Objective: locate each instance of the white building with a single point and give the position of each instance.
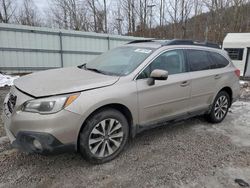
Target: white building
(238, 47)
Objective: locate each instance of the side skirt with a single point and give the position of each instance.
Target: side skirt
(167, 121)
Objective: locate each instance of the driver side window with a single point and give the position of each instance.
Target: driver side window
(172, 61)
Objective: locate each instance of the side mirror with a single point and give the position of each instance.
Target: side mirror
(157, 74)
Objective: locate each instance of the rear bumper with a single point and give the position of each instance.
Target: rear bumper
(45, 143)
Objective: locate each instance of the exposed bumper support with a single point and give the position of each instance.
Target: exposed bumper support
(47, 143)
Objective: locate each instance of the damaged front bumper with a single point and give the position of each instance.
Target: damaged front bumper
(42, 143)
(34, 141)
(37, 133)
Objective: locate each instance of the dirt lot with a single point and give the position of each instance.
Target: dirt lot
(192, 153)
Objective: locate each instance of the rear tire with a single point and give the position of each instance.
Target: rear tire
(104, 136)
(220, 107)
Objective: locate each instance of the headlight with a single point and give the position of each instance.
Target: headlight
(49, 105)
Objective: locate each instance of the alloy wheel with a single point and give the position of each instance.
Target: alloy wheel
(105, 138)
(221, 107)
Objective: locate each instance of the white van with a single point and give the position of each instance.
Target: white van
(238, 47)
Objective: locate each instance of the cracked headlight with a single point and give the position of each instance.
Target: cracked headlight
(49, 105)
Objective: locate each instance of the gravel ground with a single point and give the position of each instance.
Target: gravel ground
(192, 153)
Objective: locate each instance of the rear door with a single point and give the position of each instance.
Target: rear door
(202, 79)
(224, 75)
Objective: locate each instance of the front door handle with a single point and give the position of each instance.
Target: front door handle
(217, 76)
(184, 84)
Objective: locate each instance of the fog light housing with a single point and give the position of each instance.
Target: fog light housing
(37, 144)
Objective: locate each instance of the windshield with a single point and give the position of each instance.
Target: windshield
(119, 61)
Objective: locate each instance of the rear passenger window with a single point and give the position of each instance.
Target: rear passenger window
(218, 60)
(198, 60)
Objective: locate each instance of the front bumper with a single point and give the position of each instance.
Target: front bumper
(55, 132)
(47, 143)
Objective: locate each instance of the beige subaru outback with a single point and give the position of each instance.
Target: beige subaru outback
(96, 107)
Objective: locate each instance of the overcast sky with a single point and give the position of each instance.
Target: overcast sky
(41, 4)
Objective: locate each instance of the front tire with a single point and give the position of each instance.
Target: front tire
(104, 136)
(220, 107)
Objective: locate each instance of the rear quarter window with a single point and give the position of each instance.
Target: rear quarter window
(198, 60)
(218, 61)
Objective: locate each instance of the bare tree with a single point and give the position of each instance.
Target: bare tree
(92, 7)
(141, 13)
(198, 10)
(216, 20)
(7, 10)
(179, 12)
(185, 10)
(28, 14)
(238, 15)
(127, 6)
(99, 12)
(173, 18)
(70, 14)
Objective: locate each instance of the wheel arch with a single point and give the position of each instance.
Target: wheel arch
(229, 92)
(117, 106)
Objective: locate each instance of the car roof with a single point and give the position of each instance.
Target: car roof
(177, 43)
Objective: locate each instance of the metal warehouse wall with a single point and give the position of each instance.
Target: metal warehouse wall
(27, 49)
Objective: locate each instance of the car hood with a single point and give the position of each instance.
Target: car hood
(62, 81)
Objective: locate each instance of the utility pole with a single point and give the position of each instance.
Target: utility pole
(206, 34)
(161, 12)
(206, 30)
(151, 16)
(105, 14)
(119, 19)
(119, 25)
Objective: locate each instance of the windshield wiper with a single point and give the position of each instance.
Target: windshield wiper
(83, 66)
(94, 70)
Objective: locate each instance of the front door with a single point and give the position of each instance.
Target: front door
(165, 99)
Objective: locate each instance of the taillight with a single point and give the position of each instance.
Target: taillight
(237, 72)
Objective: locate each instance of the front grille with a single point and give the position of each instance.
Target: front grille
(11, 102)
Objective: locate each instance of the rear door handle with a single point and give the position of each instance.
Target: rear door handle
(184, 84)
(217, 76)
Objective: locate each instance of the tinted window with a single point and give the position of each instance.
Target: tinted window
(235, 53)
(198, 60)
(218, 60)
(171, 61)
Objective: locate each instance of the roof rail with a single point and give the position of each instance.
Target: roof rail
(139, 41)
(209, 44)
(190, 42)
(178, 42)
